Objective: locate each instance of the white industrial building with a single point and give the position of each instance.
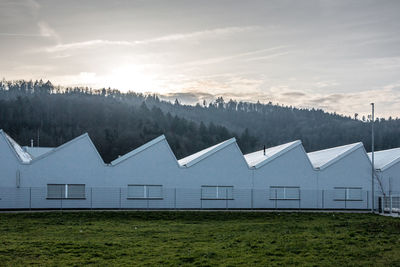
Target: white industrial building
(387, 166)
(344, 176)
(280, 174)
(74, 175)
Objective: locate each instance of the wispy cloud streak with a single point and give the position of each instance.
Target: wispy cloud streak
(236, 56)
(218, 32)
(20, 34)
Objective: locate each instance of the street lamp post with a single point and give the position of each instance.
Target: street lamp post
(372, 159)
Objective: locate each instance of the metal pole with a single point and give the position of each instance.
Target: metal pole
(323, 199)
(120, 193)
(299, 198)
(226, 195)
(91, 198)
(175, 198)
(252, 199)
(372, 158)
(201, 198)
(147, 196)
(30, 198)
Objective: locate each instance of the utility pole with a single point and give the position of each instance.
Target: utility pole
(372, 158)
(38, 137)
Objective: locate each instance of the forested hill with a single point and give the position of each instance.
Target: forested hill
(119, 122)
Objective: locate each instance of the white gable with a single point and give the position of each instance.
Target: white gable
(385, 158)
(194, 158)
(323, 158)
(259, 158)
(23, 156)
(37, 151)
(138, 150)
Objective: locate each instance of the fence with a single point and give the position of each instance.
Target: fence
(390, 204)
(185, 198)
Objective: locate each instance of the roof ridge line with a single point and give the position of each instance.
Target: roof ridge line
(60, 147)
(294, 144)
(217, 148)
(341, 155)
(138, 150)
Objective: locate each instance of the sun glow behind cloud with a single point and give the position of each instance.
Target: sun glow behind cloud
(324, 54)
(124, 78)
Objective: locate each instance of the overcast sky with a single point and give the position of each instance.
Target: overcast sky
(335, 55)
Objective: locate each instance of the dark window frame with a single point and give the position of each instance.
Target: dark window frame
(66, 191)
(284, 190)
(217, 187)
(146, 197)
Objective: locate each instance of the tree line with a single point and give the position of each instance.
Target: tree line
(119, 122)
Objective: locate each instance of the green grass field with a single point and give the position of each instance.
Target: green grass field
(198, 238)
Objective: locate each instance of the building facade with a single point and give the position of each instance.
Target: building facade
(74, 175)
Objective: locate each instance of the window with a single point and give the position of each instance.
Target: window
(70, 191)
(348, 193)
(284, 193)
(216, 192)
(145, 191)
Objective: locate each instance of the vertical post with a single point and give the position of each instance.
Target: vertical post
(226, 196)
(120, 196)
(252, 198)
(323, 199)
(175, 198)
(91, 198)
(299, 198)
(201, 198)
(147, 196)
(372, 158)
(30, 198)
(390, 203)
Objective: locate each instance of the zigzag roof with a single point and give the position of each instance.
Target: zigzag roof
(385, 159)
(56, 149)
(22, 156)
(258, 159)
(326, 157)
(194, 158)
(138, 150)
(36, 151)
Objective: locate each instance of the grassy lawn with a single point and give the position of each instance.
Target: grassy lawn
(198, 238)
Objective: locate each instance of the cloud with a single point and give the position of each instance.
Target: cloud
(215, 60)
(189, 97)
(44, 31)
(33, 7)
(86, 44)
(386, 99)
(218, 32)
(20, 34)
(47, 31)
(294, 94)
(269, 56)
